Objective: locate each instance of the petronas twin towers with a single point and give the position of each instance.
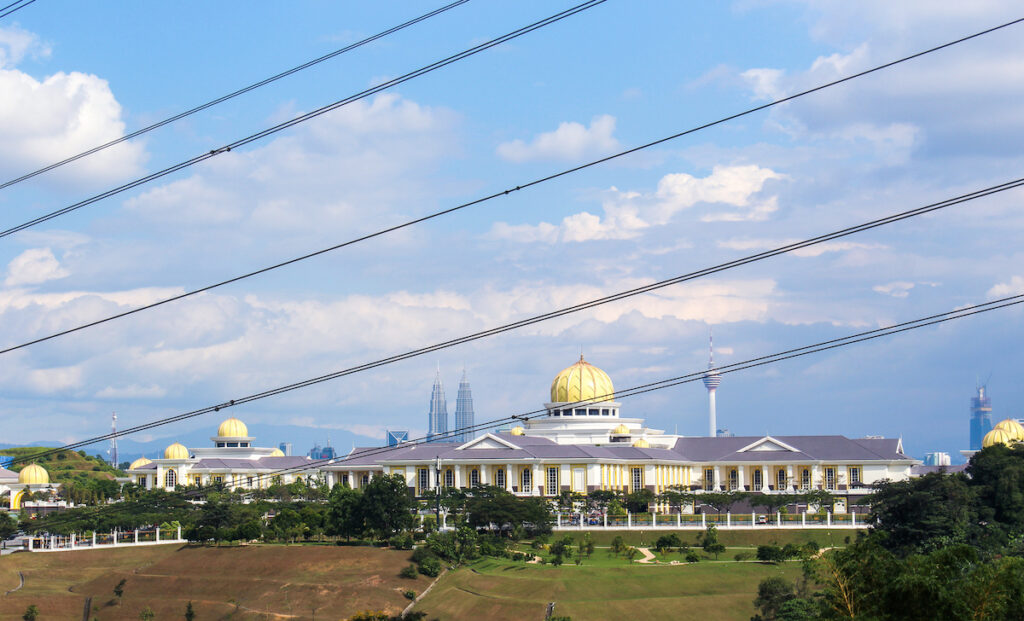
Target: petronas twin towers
(437, 419)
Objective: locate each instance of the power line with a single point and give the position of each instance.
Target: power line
(723, 266)
(232, 95)
(465, 205)
(22, 4)
(309, 115)
(633, 391)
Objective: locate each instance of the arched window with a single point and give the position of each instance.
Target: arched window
(527, 480)
(449, 478)
(170, 479)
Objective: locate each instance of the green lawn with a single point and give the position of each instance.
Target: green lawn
(497, 590)
(777, 536)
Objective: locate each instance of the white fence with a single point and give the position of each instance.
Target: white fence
(100, 541)
(700, 521)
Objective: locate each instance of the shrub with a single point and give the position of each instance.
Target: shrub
(420, 554)
(539, 542)
(692, 557)
(746, 555)
(409, 594)
(409, 571)
(401, 541)
(791, 550)
(430, 566)
(666, 542)
(770, 554)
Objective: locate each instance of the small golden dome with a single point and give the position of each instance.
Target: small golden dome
(582, 382)
(1012, 429)
(277, 453)
(233, 428)
(996, 436)
(518, 431)
(33, 474)
(641, 443)
(138, 463)
(621, 430)
(176, 451)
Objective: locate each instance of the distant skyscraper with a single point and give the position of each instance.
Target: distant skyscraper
(937, 459)
(981, 417)
(464, 410)
(712, 379)
(286, 448)
(397, 437)
(437, 419)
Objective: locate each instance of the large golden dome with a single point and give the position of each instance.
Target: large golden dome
(996, 436)
(176, 451)
(277, 453)
(582, 382)
(33, 475)
(641, 443)
(621, 430)
(1012, 429)
(138, 463)
(233, 428)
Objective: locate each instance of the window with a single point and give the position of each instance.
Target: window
(221, 445)
(449, 478)
(474, 478)
(734, 479)
(637, 479)
(552, 485)
(604, 412)
(780, 479)
(232, 444)
(581, 412)
(363, 482)
(499, 477)
(141, 481)
(527, 481)
(830, 478)
(218, 479)
(757, 480)
(197, 480)
(248, 481)
(855, 476)
(243, 444)
(170, 479)
(805, 479)
(709, 478)
(424, 480)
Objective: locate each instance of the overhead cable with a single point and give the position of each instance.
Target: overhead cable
(232, 95)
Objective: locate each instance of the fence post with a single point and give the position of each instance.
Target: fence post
(30, 540)
(778, 519)
(703, 520)
(581, 521)
(114, 535)
(606, 519)
(753, 520)
(558, 520)
(158, 534)
(803, 518)
(136, 535)
(853, 519)
(179, 532)
(94, 539)
(72, 541)
(828, 517)
(728, 519)
(679, 518)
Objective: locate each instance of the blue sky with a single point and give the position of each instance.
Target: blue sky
(618, 75)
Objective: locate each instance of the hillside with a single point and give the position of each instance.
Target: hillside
(249, 582)
(65, 465)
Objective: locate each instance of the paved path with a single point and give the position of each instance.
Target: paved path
(648, 557)
(22, 577)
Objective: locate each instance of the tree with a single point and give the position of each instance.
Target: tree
(344, 517)
(639, 501)
(924, 513)
(586, 545)
(709, 541)
(31, 613)
(618, 546)
(667, 542)
(147, 614)
(772, 593)
(8, 525)
(119, 590)
(720, 501)
(770, 554)
(190, 614)
(386, 505)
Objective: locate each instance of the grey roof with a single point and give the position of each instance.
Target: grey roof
(917, 471)
(6, 474)
(812, 448)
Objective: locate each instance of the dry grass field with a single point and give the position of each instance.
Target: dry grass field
(252, 582)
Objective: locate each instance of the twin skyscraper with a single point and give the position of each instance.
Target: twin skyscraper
(437, 419)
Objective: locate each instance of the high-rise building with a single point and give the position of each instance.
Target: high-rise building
(286, 448)
(437, 418)
(397, 437)
(464, 410)
(712, 379)
(981, 417)
(937, 459)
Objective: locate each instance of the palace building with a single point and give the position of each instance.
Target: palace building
(583, 444)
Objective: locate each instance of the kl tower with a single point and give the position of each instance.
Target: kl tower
(712, 379)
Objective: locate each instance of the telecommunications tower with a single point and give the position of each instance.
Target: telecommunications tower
(113, 439)
(712, 379)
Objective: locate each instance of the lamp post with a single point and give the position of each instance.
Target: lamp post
(437, 488)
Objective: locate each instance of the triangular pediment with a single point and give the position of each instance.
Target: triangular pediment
(768, 444)
(488, 441)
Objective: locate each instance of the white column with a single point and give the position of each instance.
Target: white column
(753, 520)
(790, 477)
(828, 518)
(158, 534)
(459, 476)
(94, 539)
(537, 476)
(558, 519)
(740, 478)
(778, 518)
(179, 532)
(510, 476)
(717, 483)
(136, 535)
(629, 519)
(853, 519)
(703, 520)
(485, 477)
(72, 541)
(606, 520)
(728, 519)
(114, 534)
(803, 518)
(816, 476)
(712, 419)
(679, 518)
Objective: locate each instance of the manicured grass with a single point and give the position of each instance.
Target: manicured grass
(777, 536)
(249, 582)
(499, 590)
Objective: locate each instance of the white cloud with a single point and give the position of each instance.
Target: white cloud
(898, 289)
(34, 266)
(571, 141)
(132, 391)
(57, 379)
(1015, 286)
(628, 213)
(16, 43)
(811, 251)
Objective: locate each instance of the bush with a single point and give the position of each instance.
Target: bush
(791, 550)
(746, 555)
(692, 557)
(409, 571)
(401, 541)
(409, 594)
(770, 554)
(430, 566)
(666, 542)
(420, 554)
(539, 542)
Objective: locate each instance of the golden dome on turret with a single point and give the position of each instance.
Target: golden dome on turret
(176, 451)
(33, 474)
(1012, 429)
(621, 430)
(582, 382)
(233, 428)
(641, 443)
(138, 463)
(518, 431)
(277, 453)
(996, 436)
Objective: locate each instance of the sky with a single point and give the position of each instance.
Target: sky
(615, 76)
